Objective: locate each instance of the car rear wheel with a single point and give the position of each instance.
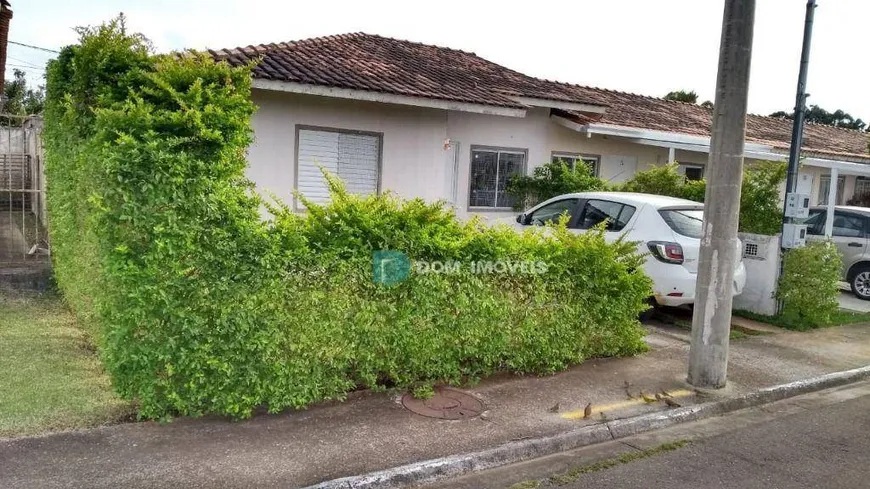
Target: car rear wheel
(860, 282)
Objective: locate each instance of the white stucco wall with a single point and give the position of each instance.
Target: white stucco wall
(413, 153)
(762, 272)
(415, 162)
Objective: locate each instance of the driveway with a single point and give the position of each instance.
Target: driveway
(849, 301)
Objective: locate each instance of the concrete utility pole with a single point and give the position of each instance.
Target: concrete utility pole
(711, 323)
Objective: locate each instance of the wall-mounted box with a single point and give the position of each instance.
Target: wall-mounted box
(797, 205)
(794, 235)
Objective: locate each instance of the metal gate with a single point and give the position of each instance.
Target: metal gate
(23, 219)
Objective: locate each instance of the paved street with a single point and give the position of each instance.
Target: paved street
(827, 447)
(819, 440)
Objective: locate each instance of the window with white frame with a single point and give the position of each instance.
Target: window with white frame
(490, 170)
(691, 171)
(825, 187)
(352, 156)
(572, 159)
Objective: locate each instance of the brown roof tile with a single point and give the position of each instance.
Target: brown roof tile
(632, 110)
(369, 62)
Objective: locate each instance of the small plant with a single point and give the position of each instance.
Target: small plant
(809, 285)
(423, 391)
(660, 180)
(549, 180)
(760, 205)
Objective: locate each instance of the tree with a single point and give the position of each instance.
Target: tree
(707, 104)
(689, 97)
(21, 100)
(818, 115)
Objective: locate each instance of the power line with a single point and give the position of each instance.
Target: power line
(32, 68)
(23, 61)
(34, 47)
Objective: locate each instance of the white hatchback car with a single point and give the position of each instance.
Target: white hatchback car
(668, 229)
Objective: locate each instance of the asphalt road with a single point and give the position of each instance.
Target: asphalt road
(826, 447)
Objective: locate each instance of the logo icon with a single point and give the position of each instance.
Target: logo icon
(390, 267)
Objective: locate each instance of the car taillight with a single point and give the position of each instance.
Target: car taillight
(666, 251)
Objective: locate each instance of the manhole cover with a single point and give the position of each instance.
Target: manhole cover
(445, 404)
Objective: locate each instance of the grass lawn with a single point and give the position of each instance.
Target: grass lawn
(840, 318)
(50, 375)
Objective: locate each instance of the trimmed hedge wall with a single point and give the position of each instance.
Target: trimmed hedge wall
(201, 306)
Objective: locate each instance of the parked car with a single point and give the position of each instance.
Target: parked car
(850, 234)
(667, 228)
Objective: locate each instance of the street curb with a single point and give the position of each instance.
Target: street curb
(518, 451)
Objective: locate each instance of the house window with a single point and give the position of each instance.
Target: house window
(572, 159)
(862, 186)
(825, 186)
(692, 172)
(354, 157)
(490, 171)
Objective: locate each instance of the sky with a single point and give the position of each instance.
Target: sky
(641, 46)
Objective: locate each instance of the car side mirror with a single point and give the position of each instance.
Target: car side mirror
(523, 219)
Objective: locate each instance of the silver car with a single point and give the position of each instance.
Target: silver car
(851, 234)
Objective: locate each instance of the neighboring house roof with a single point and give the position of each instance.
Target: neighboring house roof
(632, 110)
(380, 64)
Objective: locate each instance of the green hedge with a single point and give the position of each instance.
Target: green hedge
(809, 285)
(201, 306)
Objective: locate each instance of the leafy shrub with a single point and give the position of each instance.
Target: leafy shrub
(760, 206)
(549, 180)
(658, 180)
(860, 200)
(808, 287)
(200, 306)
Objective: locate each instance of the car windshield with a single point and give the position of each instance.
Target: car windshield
(684, 221)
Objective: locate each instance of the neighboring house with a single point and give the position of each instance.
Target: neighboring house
(438, 123)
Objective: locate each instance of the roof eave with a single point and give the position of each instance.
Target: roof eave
(386, 98)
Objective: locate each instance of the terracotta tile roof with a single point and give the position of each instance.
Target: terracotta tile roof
(374, 63)
(369, 62)
(632, 110)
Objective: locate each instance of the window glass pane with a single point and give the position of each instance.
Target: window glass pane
(815, 222)
(824, 187)
(591, 163)
(552, 211)
(624, 217)
(862, 186)
(484, 165)
(597, 211)
(509, 164)
(848, 225)
(570, 161)
(687, 222)
(694, 173)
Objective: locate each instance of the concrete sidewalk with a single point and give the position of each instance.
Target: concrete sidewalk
(373, 431)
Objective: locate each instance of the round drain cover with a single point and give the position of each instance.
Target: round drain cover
(445, 404)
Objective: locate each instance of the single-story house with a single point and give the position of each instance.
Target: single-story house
(440, 123)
